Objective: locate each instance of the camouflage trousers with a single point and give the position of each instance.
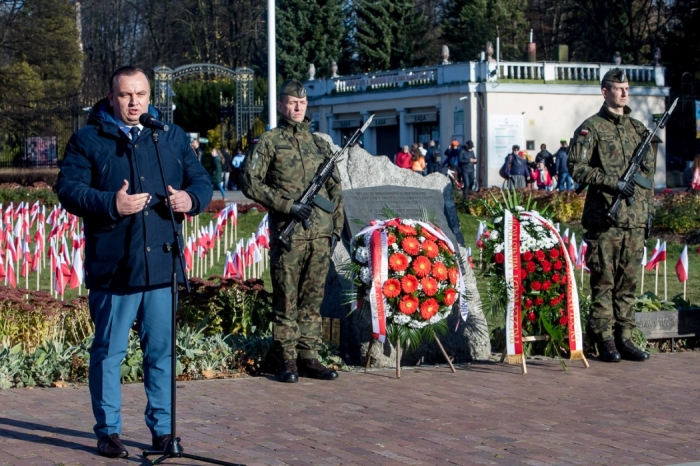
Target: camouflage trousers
(298, 281)
(614, 257)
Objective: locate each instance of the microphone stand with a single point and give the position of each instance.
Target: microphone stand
(173, 449)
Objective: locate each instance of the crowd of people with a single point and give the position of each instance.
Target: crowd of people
(223, 167)
(545, 171)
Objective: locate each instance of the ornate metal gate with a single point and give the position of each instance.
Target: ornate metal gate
(245, 109)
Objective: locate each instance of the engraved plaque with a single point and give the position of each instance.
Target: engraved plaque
(669, 324)
(366, 204)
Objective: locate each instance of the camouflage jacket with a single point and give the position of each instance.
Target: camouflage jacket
(601, 152)
(281, 167)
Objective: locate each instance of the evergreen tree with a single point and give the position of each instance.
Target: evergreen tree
(308, 31)
(468, 24)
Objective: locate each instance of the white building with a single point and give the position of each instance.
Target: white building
(493, 104)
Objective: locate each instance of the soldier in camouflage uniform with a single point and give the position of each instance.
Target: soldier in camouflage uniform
(277, 173)
(601, 152)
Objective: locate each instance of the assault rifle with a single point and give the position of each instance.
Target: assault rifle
(632, 172)
(310, 196)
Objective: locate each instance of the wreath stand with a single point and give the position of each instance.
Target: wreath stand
(398, 356)
(535, 338)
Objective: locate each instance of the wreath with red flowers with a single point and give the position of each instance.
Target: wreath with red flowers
(422, 283)
(543, 275)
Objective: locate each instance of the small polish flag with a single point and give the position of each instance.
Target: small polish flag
(572, 248)
(565, 236)
(682, 265)
(659, 256)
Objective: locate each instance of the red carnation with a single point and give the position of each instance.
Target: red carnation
(556, 278)
(408, 304)
(546, 285)
(422, 266)
(499, 257)
(429, 308)
(411, 245)
(536, 285)
(527, 256)
(531, 316)
(557, 265)
(430, 285)
(563, 321)
(391, 288)
(409, 284)
(450, 296)
(563, 279)
(539, 255)
(480, 244)
(554, 302)
(554, 254)
(539, 302)
(546, 266)
(530, 267)
(523, 274)
(528, 303)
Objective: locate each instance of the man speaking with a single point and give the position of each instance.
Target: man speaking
(110, 176)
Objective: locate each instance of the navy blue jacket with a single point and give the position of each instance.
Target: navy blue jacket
(123, 253)
(562, 159)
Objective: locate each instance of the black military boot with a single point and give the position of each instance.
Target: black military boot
(314, 369)
(608, 352)
(289, 373)
(630, 352)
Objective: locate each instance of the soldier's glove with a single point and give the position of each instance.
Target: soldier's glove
(334, 241)
(626, 188)
(300, 211)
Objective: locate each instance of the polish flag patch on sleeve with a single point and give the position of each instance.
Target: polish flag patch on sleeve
(584, 132)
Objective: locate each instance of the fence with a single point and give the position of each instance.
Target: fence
(36, 136)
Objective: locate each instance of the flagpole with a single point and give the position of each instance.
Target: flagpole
(684, 286)
(665, 283)
(642, 288)
(656, 283)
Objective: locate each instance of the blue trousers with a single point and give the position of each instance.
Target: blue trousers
(564, 179)
(113, 315)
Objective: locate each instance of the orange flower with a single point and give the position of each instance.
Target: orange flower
(430, 248)
(429, 285)
(443, 245)
(450, 296)
(409, 284)
(452, 275)
(398, 262)
(440, 271)
(427, 235)
(411, 245)
(392, 288)
(421, 266)
(407, 230)
(408, 304)
(429, 308)
(390, 239)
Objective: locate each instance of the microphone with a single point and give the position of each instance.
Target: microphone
(149, 121)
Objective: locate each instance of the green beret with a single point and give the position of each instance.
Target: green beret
(615, 75)
(293, 88)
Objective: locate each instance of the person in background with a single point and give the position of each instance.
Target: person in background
(110, 176)
(226, 168)
(236, 164)
(197, 150)
(695, 180)
(516, 169)
(562, 166)
(217, 177)
(467, 163)
(433, 157)
(418, 161)
(403, 158)
(542, 178)
(452, 156)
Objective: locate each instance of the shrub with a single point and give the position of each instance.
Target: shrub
(677, 213)
(564, 206)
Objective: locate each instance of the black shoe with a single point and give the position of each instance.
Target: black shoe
(608, 352)
(314, 369)
(111, 447)
(289, 373)
(161, 442)
(630, 352)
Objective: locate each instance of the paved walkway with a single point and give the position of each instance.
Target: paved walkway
(486, 413)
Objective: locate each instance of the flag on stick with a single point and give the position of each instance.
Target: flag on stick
(682, 265)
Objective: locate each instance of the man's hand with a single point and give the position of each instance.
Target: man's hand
(626, 188)
(300, 211)
(179, 200)
(128, 204)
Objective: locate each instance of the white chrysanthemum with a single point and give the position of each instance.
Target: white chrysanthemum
(494, 235)
(498, 248)
(519, 208)
(394, 246)
(366, 275)
(498, 220)
(362, 255)
(401, 319)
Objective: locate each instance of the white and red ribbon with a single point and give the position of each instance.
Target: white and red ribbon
(514, 331)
